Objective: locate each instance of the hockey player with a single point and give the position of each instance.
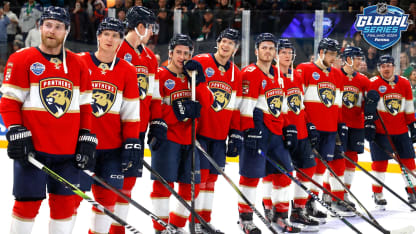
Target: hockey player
(263, 123)
(116, 108)
(323, 90)
(141, 25)
(224, 80)
(391, 96)
(172, 158)
(46, 106)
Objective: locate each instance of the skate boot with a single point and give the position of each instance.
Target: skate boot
(267, 213)
(347, 200)
(380, 201)
(300, 219)
(313, 211)
(247, 225)
(411, 197)
(281, 222)
(175, 231)
(342, 209)
(200, 229)
(327, 198)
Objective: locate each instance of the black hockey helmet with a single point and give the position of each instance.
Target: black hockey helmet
(112, 24)
(352, 52)
(265, 37)
(329, 44)
(139, 15)
(230, 33)
(284, 43)
(181, 39)
(385, 59)
(55, 13)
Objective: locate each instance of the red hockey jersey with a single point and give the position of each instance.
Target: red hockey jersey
(395, 105)
(355, 86)
(224, 114)
(116, 103)
(323, 90)
(174, 87)
(51, 104)
(265, 93)
(146, 66)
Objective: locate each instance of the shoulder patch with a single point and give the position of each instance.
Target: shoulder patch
(37, 68)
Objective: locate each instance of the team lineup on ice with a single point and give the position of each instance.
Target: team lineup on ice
(308, 147)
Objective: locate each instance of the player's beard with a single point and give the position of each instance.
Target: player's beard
(51, 44)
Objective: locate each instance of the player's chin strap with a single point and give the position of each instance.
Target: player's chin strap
(232, 59)
(115, 55)
(279, 78)
(322, 59)
(352, 62)
(141, 36)
(63, 50)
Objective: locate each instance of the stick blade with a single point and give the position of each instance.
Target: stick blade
(406, 230)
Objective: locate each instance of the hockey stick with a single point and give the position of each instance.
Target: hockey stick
(192, 224)
(77, 191)
(180, 199)
(329, 208)
(235, 187)
(131, 201)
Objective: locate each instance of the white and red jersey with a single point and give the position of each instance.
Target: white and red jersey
(395, 105)
(224, 114)
(323, 95)
(116, 102)
(53, 105)
(146, 66)
(173, 87)
(265, 93)
(355, 86)
(294, 108)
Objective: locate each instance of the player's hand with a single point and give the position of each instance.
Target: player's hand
(193, 65)
(20, 143)
(157, 133)
(253, 138)
(343, 135)
(85, 152)
(370, 106)
(186, 109)
(131, 153)
(291, 137)
(412, 129)
(370, 130)
(235, 142)
(313, 134)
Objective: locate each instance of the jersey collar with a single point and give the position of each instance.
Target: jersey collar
(227, 65)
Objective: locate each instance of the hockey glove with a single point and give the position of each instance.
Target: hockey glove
(157, 133)
(343, 135)
(313, 134)
(370, 130)
(412, 129)
(235, 142)
(131, 153)
(85, 152)
(291, 137)
(253, 138)
(186, 109)
(20, 143)
(370, 107)
(193, 65)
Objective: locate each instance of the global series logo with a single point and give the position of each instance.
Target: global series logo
(381, 25)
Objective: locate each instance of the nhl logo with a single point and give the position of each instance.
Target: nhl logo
(294, 100)
(222, 94)
(326, 91)
(274, 98)
(56, 95)
(350, 96)
(393, 103)
(143, 81)
(381, 8)
(103, 97)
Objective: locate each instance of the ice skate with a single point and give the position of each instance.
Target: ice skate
(314, 212)
(300, 219)
(380, 201)
(341, 209)
(246, 224)
(281, 222)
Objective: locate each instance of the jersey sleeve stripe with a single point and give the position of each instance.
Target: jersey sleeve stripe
(130, 110)
(14, 92)
(247, 106)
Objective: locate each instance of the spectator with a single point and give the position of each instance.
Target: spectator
(209, 27)
(29, 13)
(358, 41)
(14, 23)
(79, 22)
(138, 3)
(17, 45)
(196, 16)
(224, 15)
(4, 21)
(412, 80)
(363, 68)
(371, 59)
(2, 64)
(128, 4)
(405, 68)
(412, 54)
(100, 12)
(121, 15)
(164, 18)
(119, 6)
(33, 37)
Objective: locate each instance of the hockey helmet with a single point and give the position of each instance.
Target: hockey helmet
(230, 33)
(385, 59)
(352, 52)
(329, 44)
(55, 13)
(265, 37)
(181, 39)
(140, 15)
(111, 24)
(284, 43)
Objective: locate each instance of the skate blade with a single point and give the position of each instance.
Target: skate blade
(381, 207)
(320, 220)
(306, 228)
(344, 214)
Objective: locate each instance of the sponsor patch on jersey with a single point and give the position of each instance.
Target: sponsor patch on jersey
(169, 84)
(393, 103)
(326, 91)
(142, 81)
(37, 68)
(210, 71)
(382, 89)
(246, 87)
(350, 96)
(56, 95)
(222, 94)
(263, 84)
(128, 57)
(316, 76)
(103, 97)
(294, 100)
(274, 98)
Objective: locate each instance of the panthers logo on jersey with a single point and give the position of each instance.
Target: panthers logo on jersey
(350, 96)
(56, 95)
(143, 81)
(326, 91)
(294, 100)
(274, 98)
(393, 103)
(103, 97)
(222, 94)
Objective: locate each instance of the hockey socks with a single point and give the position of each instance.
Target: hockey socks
(248, 187)
(281, 192)
(300, 196)
(267, 192)
(23, 218)
(205, 199)
(350, 168)
(160, 200)
(338, 166)
(101, 222)
(181, 214)
(379, 170)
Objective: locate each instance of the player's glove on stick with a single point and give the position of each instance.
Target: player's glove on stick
(343, 135)
(412, 129)
(186, 109)
(253, 138)
(192, 65)
(235, 142)
(20, 143)
(291, 137)
(85, 152)
(131, 153)
(157, 133)
(369, 129)
(313, 134)
(370, 106)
